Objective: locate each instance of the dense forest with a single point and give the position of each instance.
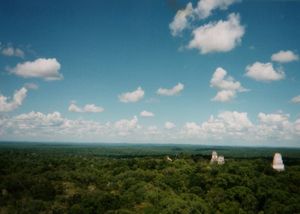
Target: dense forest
(49, 179)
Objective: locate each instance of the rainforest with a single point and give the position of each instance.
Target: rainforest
(124, 178)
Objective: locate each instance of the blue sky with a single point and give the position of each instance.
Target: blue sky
(75, 70)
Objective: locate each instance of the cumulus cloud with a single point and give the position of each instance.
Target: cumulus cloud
(90, 108)
(172, 91)
(11, 51)
(191, 129)
(273, 118)
(125, 127)
(222, 81)
(204, 8)
(227, 126)
(224, 96)
(181, 20)
(93, 108)
(275, 125)
(53, 126)
(221, 36)
(131, 97)
(226, 85)
(235, 125)
(296, 99)
(146, 114)
(264, 72)
(284, 56)
(169, 125)
(74, 108)
(7, 104)
(47, 69)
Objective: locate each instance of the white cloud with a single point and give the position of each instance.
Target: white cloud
(181, 20)
(205, 7)
(125, 127)
(152, 131)
(47, 69)
(191, 129)
(224, 96)
(90, 108)
(235, 120)
(296, 99)
(227, 126)
(53, 126)
(184, 17)
(264, 72)
(171, 92)
(93, 108)
(275, 126)
(226, 85)
(222, 81)
(7, 104)
(74, 108)
(284, 56)
(146, 114)
(133, 96)
(273, 118)
(11, 51)
(169, 125)
(221, 36)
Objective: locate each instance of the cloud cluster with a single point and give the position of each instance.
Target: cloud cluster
(205, 7)
(217, 36)
(172, 91)
(224, 125)
(125, 127)
(7, 104)
(53, 126)
(284, 56)
(236, 125)
(11, 51)
(264, 72)
(226, 85)
(90, 108)
(227, 125)
(133, 96)
(47, 69)
(203, 10)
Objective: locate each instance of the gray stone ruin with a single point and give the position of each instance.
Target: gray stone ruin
(214, 157)
(217, 159)
(277, 162)
(168, 159)
(221, 160)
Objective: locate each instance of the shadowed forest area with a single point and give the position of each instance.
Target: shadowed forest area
(78, 178)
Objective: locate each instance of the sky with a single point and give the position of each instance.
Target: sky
(213, 72)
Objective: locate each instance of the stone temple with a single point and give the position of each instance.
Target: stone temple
(277, 162)
(217, 159)
(221, 160)
(214, 157)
